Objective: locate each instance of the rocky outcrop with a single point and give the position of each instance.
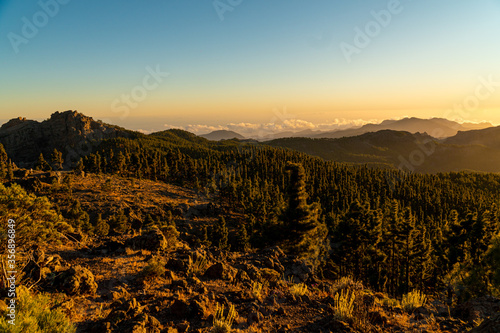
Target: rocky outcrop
(154, 241)
(70, 132)
(77, 280)
(127, 315)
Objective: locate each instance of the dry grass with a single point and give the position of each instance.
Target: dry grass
(344, 304)
(222, 323)
(412, 300)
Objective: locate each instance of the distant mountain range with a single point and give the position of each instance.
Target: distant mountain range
(222, 135)
(473, 148)
(435, 127)
(476, 150)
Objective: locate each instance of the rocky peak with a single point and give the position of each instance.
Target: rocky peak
(70, 132)
(12, 123)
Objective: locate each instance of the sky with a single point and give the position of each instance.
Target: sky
(250, 64)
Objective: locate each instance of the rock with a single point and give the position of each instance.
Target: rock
(490, 325)
(281, 311)
(177, 264)
(180, 308)
(378, 318)
(70, 132)
(242, 276)
(111, 246)
(119, 292)
(421, 313)
(199, 308)
(180, 284)
(220, 271)
(252, 271)
(77, 280)
(300, 270)
(183, 327)
(254, 317)
(274, 252)
(128, 316)
(153, 241)
(270, 275)
(476, 308)
(169, 275)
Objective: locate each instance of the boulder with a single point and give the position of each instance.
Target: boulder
(128, 316)
(154, 241)
(490, 325)
(220, 271)
(180, 308)
(77, 280)
(477, 308)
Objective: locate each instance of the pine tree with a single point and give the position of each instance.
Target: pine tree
(242, 238)
(220, 234)
(204, 236)
(101, 227)
(42, 164)
(119, 222)
(308, 236)
(57, 159)
(3, 162)
(10, 171)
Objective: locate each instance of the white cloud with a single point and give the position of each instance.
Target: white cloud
(262, 130)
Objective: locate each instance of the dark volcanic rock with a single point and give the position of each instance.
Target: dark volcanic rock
(77, 280)
(220, 271)
(69, 132)
(490, 325)
(128, 316)
(154, 241)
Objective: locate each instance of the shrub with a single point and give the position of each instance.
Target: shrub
(298, 289)
(154, 268)
(34, 315)
(257, 289)
(36, 219)
(413, 300)
(344, 304)
(221, 323)
(199, 266)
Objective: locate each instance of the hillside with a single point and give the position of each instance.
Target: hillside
(477, 150)
(168, 282)
(155, 233)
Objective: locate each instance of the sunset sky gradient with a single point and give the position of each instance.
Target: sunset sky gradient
(265, 62)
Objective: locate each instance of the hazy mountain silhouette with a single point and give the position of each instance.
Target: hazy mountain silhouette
(436, 127)
(222, 135)
(477, 150)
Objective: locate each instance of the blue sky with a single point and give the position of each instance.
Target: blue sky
(264, 56)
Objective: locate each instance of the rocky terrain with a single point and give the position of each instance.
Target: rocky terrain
(70, 132)
(160, 280)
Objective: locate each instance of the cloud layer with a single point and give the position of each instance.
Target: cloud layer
(251, 130)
